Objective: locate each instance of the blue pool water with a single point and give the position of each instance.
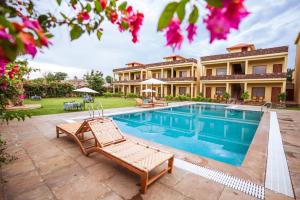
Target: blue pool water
(211, 131)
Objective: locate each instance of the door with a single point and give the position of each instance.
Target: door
(208, 92)
(275, 92)
(277, 68)
(208, 72)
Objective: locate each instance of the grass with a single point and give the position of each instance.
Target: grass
(55, 105)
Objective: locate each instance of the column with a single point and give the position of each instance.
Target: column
(172, 90)
(123, 79)
(129, 76)
(141, 75)
(227, 87)
(246, 67)
(201, 87)
(228, 68)
(172, 72)
(113, 88)
(192, 90)
(192, 72)
(283, 89)
(162, 73)
(123, 89)
(245, 87)
(161, 90)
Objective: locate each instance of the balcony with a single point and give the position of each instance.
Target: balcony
(244, 76)
(179, 79)
(129, 81)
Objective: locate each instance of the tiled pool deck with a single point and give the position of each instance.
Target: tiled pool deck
(51, 168)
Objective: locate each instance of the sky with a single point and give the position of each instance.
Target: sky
(271, 23)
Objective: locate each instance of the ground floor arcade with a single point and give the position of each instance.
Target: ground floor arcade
(261, 91)
(162, 90)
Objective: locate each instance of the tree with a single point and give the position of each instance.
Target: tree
(49, 77)
(109, 79)
(226, 96)
(95, 80)
(245, 95)
(60, 76)
(289, 74)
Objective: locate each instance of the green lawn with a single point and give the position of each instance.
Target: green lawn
(55, 105)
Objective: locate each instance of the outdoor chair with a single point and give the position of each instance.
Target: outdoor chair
(140, 103)
(159, 102)
(107, 139)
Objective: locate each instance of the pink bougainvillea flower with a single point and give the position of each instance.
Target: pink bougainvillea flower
(2, 67)
(83, 16)
(29, 43)
(4, 35)
(174, 35)
(103, 4)
(13, 71)
(191, 32)
(32, 24)
(113, 16)
(220, 20)
(3, 85)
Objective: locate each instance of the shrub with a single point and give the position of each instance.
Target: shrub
(132, 95)
(108, 94)
(182, 98)
(118, 94)
(169, 98)
(282, 97)
(53, 89)
(245, 95)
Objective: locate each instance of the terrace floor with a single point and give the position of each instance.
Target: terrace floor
(51, 168)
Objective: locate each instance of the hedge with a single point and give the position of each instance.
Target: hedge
(53, 89)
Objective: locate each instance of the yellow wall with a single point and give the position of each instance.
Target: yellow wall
(213, 89)
(268, 89)
(268, 63)
(214, 68)
(297, 73)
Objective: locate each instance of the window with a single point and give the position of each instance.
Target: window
(221, 71)
(183, 74)
(259, 69)
(220, 90)
(138, 76)
(182, 90)
(258, 92)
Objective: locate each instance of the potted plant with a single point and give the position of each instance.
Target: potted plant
(226, 96)
(245, 96)
(282, 98)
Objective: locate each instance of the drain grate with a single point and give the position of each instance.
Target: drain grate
(247, 187)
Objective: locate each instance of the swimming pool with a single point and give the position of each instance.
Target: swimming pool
(207, 130)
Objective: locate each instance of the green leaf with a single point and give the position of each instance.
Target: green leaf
(98, 7)
(194, 15)
(181, 9)
(75, 32)
(215, 3)
(58, 2)
(166, 16)
(88, 7)
(99, 34)
(63, 15)
(123, 6)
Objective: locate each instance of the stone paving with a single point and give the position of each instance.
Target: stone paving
(51, 168)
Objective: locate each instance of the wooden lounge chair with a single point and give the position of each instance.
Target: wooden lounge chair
(159, 102)
(108, 140)
(140, 103)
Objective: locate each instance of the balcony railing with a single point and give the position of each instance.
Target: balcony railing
(244, 76)
(179, 79)
(163, 79)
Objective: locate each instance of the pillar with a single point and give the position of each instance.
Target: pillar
(161, 90)
(141, 75)
(283, 89)
(192, 90)
(201, 87)
(227, 87)
(123, 79)
(228, 68)
(246, 66)
(129, 76)
(162, 73)
(172, 72)
(192, 72)
(245, 86)
(113, 88)
(172, 89)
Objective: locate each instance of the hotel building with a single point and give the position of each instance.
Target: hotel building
(179, 73)
(261, 72)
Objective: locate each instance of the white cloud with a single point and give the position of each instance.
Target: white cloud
(49, 67)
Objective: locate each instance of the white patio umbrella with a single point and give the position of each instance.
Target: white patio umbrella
(85, 90)
(153, 81)
(148, 90)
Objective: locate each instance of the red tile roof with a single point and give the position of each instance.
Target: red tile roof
(237, 46)
(134, 63)
(186, 60)
(256, 52)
